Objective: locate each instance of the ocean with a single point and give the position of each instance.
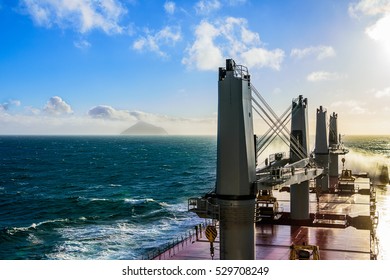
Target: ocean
(119, 197)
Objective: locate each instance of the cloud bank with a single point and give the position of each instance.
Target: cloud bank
(57, 117)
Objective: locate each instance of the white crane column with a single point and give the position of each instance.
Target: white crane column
(334, 144)
(322, 149)
(299, 193)
(236, 170)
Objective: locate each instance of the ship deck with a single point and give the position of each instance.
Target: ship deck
(329, 228)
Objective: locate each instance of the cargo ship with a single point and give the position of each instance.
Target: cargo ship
(294, 205)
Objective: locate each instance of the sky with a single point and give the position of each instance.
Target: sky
(99, 66)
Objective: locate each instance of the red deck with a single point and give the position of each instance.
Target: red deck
(273, 241)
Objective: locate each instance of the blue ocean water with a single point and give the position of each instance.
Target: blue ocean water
(98, 197)
(118, 197)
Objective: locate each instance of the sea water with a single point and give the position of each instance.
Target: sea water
(116, 197)
(98, 197)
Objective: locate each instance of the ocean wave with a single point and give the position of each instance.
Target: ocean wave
(138, 200)
(164, 204)
(365, 161)
(34, 226)
(114, 241)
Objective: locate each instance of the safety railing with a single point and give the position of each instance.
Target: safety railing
(168, 250)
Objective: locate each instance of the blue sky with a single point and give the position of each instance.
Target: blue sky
(99, 66)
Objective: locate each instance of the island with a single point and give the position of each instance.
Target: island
(143, 128)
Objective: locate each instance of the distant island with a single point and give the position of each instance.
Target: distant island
(143, 128)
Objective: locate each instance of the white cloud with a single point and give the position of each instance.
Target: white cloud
(380, 30)
(32, 110)
(57, 106)
(15, 102)
(229, 37)
(369, 7)
(109, 113)
(170, 7)
(82, 44)
(383, 93)
(204, 54)
(236, 2)
(324, 76)
(153, 118)
(353, 107)
(205, 7)
(169, 35)
(259, 57)
(82, 15)
(320, 52)
(12, 102)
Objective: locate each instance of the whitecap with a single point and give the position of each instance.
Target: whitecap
(138, 201)
(97, 242)
(131, 200)
(66, 220)
(164, 204)
(99, 199)
(34, 240)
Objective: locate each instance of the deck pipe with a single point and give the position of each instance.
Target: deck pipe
(236, 170)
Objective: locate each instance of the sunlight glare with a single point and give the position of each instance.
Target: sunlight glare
(380, 31)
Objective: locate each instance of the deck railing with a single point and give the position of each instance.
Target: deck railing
(166, 251)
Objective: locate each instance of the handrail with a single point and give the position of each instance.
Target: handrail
(167, 250)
